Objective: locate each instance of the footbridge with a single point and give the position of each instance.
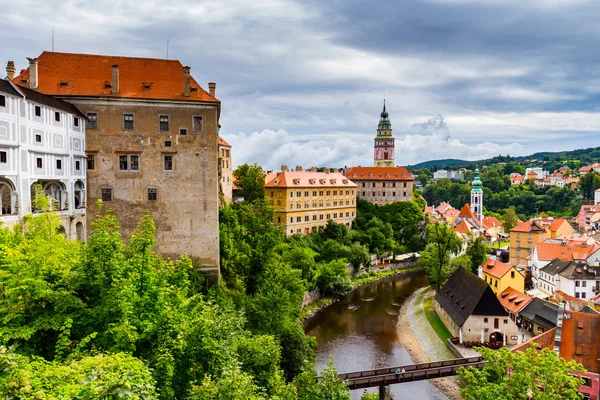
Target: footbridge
(383, 377)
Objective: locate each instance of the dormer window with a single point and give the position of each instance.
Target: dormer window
(322, 181)
(147, 85)
(404, 175)
(370, 175)
(297, 181)
(276, 181)
(387, 175)
(64, 83)
(313, 181)
(344, 181)
(354, 176)
(107, 85)
(333, 181)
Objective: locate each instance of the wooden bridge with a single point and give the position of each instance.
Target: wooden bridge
(383, 377)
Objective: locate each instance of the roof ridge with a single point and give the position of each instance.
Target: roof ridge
(108, 55)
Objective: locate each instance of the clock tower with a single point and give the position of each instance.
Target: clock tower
(384, 142)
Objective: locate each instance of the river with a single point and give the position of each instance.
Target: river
(359, 331)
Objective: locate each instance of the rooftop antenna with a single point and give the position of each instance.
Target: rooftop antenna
(167, 47)
(53, 39)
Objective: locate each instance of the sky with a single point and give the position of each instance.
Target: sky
(303, 82)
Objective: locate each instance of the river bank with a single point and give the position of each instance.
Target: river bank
(323, 302)
(420, 340)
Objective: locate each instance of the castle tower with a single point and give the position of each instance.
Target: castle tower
(384, 142)
(477, 196)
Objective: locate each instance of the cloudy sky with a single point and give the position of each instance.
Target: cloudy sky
(302, 82)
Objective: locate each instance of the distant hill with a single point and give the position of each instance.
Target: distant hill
(571, 158)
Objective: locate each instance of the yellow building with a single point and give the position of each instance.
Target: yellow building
(305, 200)
(526, 235)
(501, 276)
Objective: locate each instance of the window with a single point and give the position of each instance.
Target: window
(2, 101)
(3, 157)
(583, 295)
(106, 194)
(512, 274)
(506, 321)
(76, 122)
(485, 320)
(123, 163)
(328, 193)
(78, 165)
(314, 218)
(298, 194)
(320, 193)
(197, 123)
(57, 116)
(58, 164)
(583, 283)
(291, 220)
(163, 122)
(298, 219)
(152, 194)
(183, 131)
(335, 192)
(321, 217)
(91, 161)
(168, 143)
(38, 111)
(278, 220)
(577, 283)
(92, 120)
(127, 121)
(129, 163)
(38, 162)
(168, 163)
(298, 206)
(306, 218)
(306, 194)
(38, 138)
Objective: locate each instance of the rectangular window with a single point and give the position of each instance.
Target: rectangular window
(321, 217)
(58, 164)
(168, 163)
(291, 220)
(183, 132)
(77, 165)
(306, 218)
(123, 163)
(3, 157)
(334, 215)
(485, 320)
(583, 295)
(127, 121)
(152, 194)
(197, 123)
(328, 193)
(92, 120)
(577, 283)
(106, 194)
(38, 138)
(91, 162)
(57, 116)
(134, 162)
(278, 220)
(163, 122)
(583, 283)
(38, 162)
(168, 143)
(335, 192)
(76, 122)
(306, 194)
(314, 218)
(320, 193)
(298, 219)
(38, 111)
(2, 101)
(298, 194)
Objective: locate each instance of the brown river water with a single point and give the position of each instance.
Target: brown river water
(359, 331)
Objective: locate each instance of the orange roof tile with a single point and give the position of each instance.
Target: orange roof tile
(568, 252)
(556, 223)
(223, 142)
(496, 268)
(463, 227)
(580, 337)
(429, 210)
(307, 179)
(452, 212)
(491, 222)
(543, 341)
(513, 300)
(379, 174)
(467, 213)
(87, 75)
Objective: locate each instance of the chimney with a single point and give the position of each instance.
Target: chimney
(10, 70)
(186, 81)
(33, 73)
(212, 87)
(326, 170)
(284, 168)
(298, 168)
(115, 79)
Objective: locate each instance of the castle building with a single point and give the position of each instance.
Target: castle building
(382, 185)
(42, 142)
(384, 142)
(225, 170)
(306, 200)
(151, 144)
(477, 196)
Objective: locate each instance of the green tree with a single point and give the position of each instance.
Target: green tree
(250, 180)
(442, 243)
(328, 387)
(332, 278)
(303, 259)
(588, 184)
(509, 219)
(358, 255)
(522, 375)
(477, 250)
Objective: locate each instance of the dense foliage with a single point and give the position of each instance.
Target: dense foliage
(442, 244)
(529, 374)
(110, 319)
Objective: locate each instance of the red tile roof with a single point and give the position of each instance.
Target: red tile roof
(580, 339)
(308, 179)
(496, 268)
(223, 142)
(87, 75)
(491, 222)
(568, 252)
(379, 174)
(463, 227)
(513, 300)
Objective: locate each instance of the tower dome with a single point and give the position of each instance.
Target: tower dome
(384, 141)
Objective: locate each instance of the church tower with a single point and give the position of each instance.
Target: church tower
(384, 142)
(477, 196)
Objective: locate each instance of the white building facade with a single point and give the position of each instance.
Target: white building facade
(42, 142)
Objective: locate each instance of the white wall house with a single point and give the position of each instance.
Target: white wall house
(42, 141)
(575, 278)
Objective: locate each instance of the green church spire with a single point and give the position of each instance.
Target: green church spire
(477, 184)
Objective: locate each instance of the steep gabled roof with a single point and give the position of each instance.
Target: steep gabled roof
(39, 98)
(305, 179)
(223, 142)
(496, 268)
(464, 294)
(541, 312)
(491, 222)
(555, 266)
(463, 227)
(67, 74)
